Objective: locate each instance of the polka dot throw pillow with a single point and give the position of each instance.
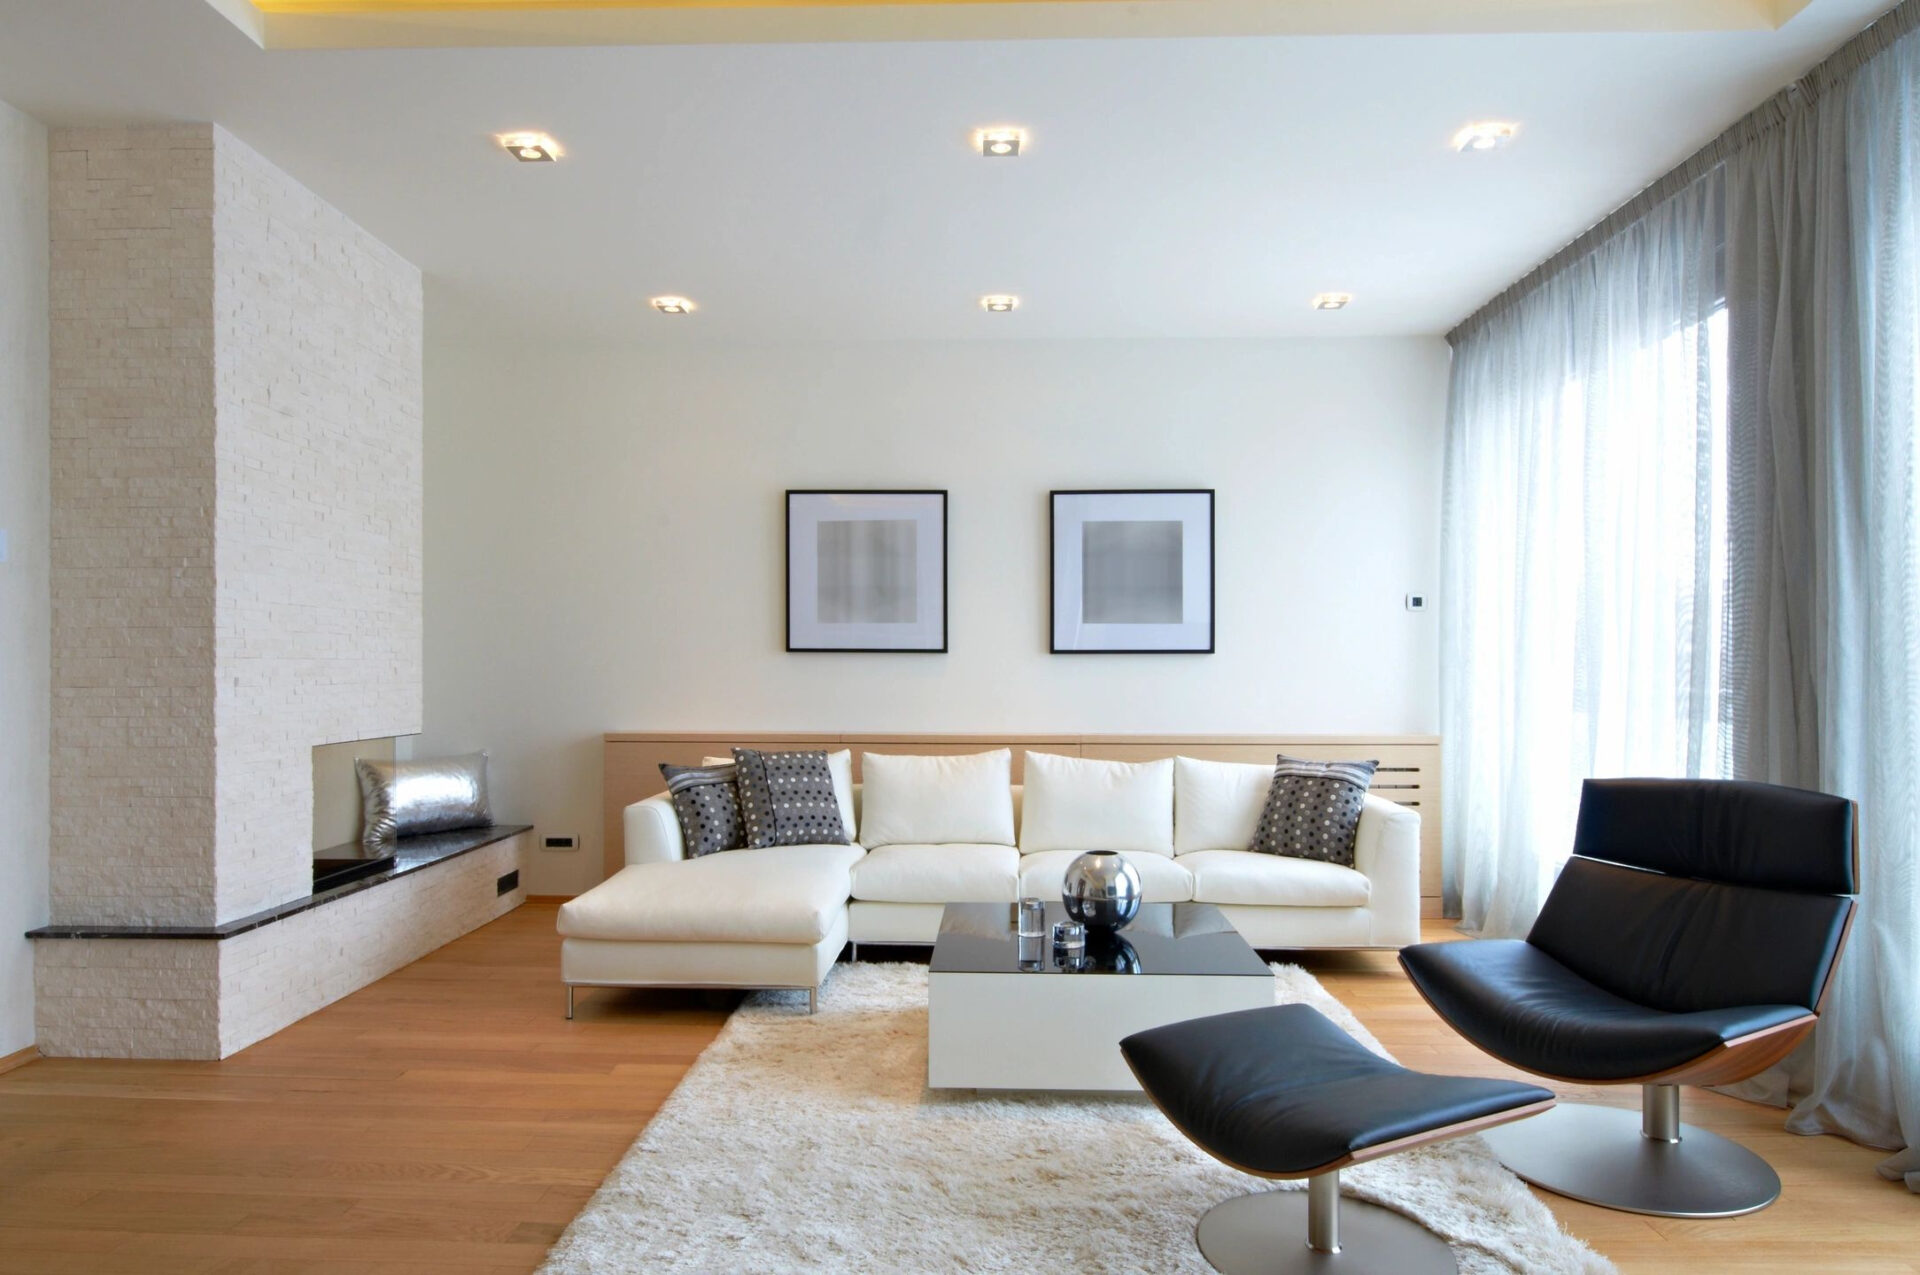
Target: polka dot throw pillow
(787, 799)
(1313, 809)
(708, 807)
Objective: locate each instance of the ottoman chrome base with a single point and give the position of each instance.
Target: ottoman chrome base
(1296, 1232)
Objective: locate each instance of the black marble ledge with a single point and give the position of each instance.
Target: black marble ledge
(410, 855)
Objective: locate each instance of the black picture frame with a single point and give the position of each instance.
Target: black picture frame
(1054, 599)
(938, 494)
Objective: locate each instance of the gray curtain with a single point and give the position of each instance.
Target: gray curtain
(1823, 637)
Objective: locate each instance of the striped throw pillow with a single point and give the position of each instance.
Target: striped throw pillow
(707, 803)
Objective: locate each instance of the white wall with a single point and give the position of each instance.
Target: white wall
(23, 576)
(604, 541)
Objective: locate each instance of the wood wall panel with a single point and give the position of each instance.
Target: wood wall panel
(1409, 766)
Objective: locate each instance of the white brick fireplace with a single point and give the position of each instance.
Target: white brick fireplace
(236, 579)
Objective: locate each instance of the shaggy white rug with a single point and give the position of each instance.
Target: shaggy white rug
(803, 1143)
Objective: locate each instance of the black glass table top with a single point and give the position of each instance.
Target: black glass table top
(1165, 938)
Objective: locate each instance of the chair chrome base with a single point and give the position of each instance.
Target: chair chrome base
(1612, 1157)
(1276, 1233)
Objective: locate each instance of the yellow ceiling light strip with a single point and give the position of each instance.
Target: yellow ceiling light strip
(455, 23)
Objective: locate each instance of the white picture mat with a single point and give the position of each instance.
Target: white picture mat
(806, 511)
(1194, 510)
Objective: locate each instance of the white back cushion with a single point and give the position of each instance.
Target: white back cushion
(1076, 803)
(841, 764)
(937, 800)
(1217, 804)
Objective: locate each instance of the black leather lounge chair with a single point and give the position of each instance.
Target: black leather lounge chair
(1690, 940)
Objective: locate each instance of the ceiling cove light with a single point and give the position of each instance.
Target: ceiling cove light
(1484, 135)
(672, 305)
(1000, 302)
(999, 142)
(531, 148)
(1332, 300)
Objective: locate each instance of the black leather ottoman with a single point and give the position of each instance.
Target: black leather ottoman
(1282, 1093)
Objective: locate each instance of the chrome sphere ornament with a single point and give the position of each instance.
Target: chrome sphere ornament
(1101, 890)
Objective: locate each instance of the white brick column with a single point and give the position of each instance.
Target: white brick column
(236, 565)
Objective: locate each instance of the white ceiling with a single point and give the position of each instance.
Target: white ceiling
(1179, 188)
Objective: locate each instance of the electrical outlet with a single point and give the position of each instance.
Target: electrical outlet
(1416, 602)
(560, 842)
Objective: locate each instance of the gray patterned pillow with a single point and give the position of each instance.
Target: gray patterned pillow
(1313, 809)
(708, 806)
(787, 799)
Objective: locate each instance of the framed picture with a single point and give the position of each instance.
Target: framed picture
(866, 571)
(1132, 571)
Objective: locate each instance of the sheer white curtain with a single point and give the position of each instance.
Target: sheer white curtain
(1583, 549)
(1824, 666)
(1682, 537)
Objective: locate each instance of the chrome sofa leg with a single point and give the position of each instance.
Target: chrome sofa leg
(813, 999)
(856, 953)
(569, 1002)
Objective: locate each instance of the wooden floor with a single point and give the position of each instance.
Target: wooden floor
(449, 1120)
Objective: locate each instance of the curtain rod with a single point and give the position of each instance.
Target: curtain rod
(1838, 68)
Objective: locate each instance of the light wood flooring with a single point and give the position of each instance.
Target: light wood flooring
(449, 1120)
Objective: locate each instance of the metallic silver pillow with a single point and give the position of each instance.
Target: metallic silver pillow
(401, 798)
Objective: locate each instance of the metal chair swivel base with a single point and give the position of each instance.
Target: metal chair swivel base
(1296, 1232)
(1645, 1162)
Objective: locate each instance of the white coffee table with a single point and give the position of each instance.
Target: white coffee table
(996, 1021)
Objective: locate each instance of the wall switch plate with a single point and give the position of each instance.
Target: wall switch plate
(560, 843)
(1416, 602)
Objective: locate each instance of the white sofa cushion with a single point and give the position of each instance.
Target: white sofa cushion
(937, 800)
(1273, 880)
(841, 764)
(782, 894)
(938, 874)
(1077, 803)
(1217, 804)
(1162, 879)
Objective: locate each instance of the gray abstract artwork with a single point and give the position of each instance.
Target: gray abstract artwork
(1131, 572)
(869, 571)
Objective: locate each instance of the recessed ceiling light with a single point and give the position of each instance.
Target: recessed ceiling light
(1484, 135)
(531, 148)
(1332, 300)
(672, 305)
(999, 142)
(1000, 302)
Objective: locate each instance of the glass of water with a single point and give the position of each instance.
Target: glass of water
(1033, 918)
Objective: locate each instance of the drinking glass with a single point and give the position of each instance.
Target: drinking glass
(1069, 941)
(1033, 918)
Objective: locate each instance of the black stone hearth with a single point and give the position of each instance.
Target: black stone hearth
(405, 856)
(342, 864)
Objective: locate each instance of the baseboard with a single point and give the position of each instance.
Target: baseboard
(549, 898)
(19, 1058)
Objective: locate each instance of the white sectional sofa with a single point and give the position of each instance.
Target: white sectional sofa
(938, 830)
